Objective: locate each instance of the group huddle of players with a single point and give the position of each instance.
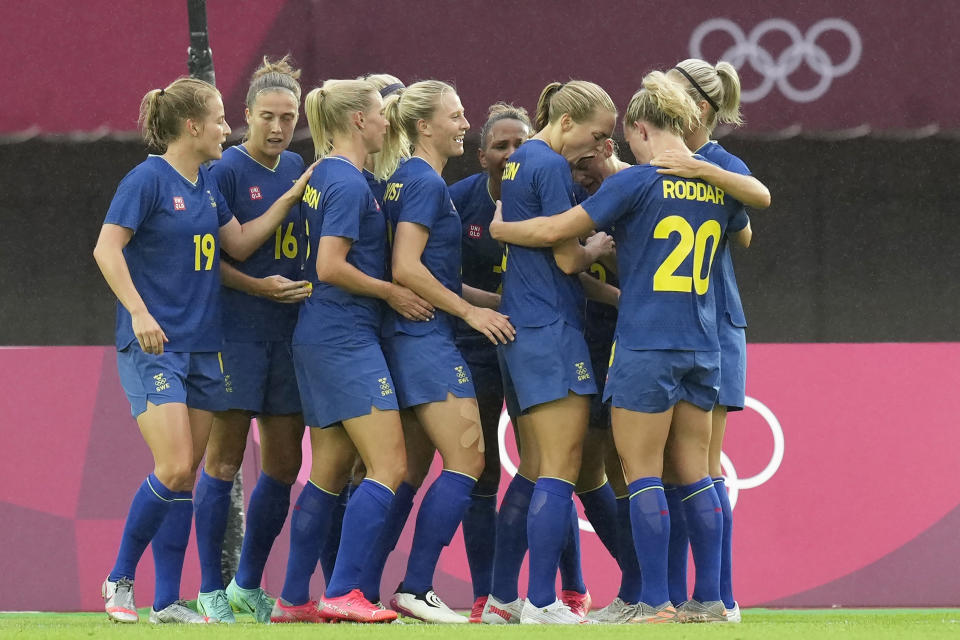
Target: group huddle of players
(395, 315)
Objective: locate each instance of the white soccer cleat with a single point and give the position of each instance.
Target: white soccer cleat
(556, 613)
(425, 606)
(118, 600)
(497, 612)
(644, 613)
(178, 613)
(617, 612)
(733, 615)
(695, 611)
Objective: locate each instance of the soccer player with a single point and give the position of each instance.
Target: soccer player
(549, 363)
(158, 251)
(376, 169)
(716, 90)
(348, 395)
(259, 301)
(665, 369)
(475, 198)
(433, 380)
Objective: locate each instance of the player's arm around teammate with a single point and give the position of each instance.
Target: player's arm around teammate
(432, 378)
(158, 253)
(661, 382)
(259, 379)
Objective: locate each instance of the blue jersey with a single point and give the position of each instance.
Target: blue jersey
(537, 182)
(376, 186)
(338, 202)
(173, 255)
(250, 189)
(482, 255)
(667, 233)
(417, 193)
(729, 306)
(600, 320)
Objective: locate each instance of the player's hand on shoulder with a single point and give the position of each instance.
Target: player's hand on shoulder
(673, 162)
(408, 304)
(492, 324)
(283, 290)
(148, 332)
(301, 184)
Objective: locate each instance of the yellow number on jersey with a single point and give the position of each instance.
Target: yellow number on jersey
(204, 244)
(600, 270)
(287, 243)
(665, 278)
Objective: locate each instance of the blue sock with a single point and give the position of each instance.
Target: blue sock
(147, 511)
(362, 525)
(705, 528)
(440, 514)
(571, 573)
(480, 540)
(511, 538)
(309, 526)
(650, 521)
(269, 504)
(387, 541)
(678, 551)
(631, 582)
(600, 507)
(169, 547)
(726, 554)
(328, 554)
(549, 528)
(212, 507)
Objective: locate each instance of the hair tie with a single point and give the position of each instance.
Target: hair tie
(390, 88)
(696, 86)
(161, 92)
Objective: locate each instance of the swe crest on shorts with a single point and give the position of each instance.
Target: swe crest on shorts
(385, 389)
(161, 383)
(582, 373)
(461, 375)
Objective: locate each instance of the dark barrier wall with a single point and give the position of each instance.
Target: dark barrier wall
(860, 244)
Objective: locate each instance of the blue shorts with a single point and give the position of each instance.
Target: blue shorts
(259, 377)
(733, 366)
(547, 363)
(599, 409)
(426, 368)
(195, 379)
(653, 380)
(481, 357)
(343, 380)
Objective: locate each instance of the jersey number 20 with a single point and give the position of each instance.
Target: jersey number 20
(665, 279)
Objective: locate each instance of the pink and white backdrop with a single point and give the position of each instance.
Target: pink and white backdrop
(844, 469)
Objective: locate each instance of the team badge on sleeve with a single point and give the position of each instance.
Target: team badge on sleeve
(178, 204)
(255, 193)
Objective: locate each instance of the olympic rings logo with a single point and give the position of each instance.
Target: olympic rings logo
(735, 484)
(803, 49)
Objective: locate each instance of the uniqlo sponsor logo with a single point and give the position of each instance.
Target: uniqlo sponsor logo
(475, 231)
(178, 204)
(255, 193)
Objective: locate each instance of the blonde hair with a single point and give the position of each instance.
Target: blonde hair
(163, 111)
(328, 110)
(578, 98)
(274, 76)
(403, 110)
(664, 104)
(384, 164)
(721, 83)
(503, 111)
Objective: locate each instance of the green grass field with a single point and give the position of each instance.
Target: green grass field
(758, 623)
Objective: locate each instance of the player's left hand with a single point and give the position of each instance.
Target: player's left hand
(497, 221)
(602, 243)
(677, 163)
(301, 184)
